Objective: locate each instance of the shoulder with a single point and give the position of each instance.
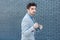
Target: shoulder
(26, 17)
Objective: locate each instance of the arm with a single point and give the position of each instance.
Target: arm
(25, 27)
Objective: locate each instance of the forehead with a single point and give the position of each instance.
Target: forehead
(33, 7)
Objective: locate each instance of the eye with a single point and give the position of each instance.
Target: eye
(32, 8)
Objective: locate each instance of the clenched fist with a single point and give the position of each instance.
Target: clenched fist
(41, 27)
(36, 25)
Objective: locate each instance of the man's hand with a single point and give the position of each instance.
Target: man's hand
(41, 27)
(36, 25)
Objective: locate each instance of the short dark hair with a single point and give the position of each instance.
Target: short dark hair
(31, 4)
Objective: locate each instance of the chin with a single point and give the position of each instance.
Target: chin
(33, 14)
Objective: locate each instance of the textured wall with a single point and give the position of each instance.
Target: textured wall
(12, 12)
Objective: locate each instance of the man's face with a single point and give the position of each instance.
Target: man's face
(32, 10)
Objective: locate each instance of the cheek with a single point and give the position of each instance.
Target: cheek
(31, 11)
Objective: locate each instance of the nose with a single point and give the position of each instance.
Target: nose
(34, 10)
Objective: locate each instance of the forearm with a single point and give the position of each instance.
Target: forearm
(29, 31)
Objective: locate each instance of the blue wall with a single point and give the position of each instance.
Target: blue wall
(12, 12)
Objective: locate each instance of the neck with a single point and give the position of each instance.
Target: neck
(30, 14)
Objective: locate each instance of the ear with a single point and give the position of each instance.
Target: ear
(27, 10)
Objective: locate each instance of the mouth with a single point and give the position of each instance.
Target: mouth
(34, 12)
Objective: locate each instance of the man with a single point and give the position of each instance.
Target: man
(28, 25)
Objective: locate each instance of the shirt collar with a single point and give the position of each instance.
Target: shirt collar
(30, 16)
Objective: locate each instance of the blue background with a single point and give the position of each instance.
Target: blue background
(12, 12)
